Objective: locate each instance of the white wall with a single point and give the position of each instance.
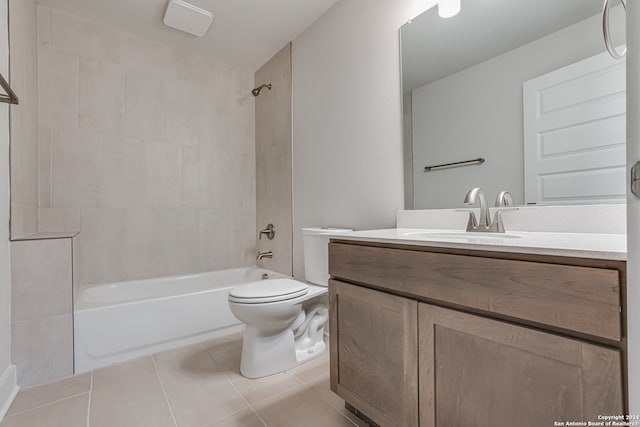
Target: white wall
(7, 372)
(494, 133)
(347, 118)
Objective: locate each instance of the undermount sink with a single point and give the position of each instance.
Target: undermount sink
(463, 235)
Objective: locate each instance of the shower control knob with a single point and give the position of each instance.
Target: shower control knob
(270, 232)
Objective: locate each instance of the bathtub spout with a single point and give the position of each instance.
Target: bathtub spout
(264, 255)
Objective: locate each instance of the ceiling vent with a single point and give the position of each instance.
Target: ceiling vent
(188, 18)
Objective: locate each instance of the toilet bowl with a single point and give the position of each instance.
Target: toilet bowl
(284, 321)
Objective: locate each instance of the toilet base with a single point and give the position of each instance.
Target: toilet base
(268, 355)
(311, 353)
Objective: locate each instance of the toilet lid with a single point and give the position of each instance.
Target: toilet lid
(268, 291)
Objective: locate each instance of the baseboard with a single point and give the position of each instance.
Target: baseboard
(8, 389)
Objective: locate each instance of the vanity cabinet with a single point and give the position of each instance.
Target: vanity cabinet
(440, 337)
(481, 372)
(374, 348)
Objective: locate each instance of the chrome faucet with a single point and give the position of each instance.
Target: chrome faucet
(504, 198)
(484, 223)
(261, 255)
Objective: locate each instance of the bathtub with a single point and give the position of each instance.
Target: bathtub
(120, 321)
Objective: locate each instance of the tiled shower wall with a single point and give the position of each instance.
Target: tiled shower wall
(273, 161)
(24, 118)
(147, 150)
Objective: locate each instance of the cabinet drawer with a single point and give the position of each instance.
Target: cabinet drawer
(581, 299)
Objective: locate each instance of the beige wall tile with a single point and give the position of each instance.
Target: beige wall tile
(42, 349)
(242, 245)
(273, 160)
(101, 96)
(211, 181)
(24, 145)
(182, 112)
(124, 173)
(75, 254)
(24, 125)
(214, 236)
(44, 172)
(144, 105)
(30, 398)
(164, 174)
(75, 168)
(75, 35)
(100, 244)
(135, 52)
(59, 219)
(129, 395)
(190, 176)
(227, 175)
(155, 132)
(44, 25)
(211, 122)
(277, 175)
(238, 175)
(182, 241)
(23, 219)
(57, 88)
(143, 253)
(15, 161)
(70, 412)
(281, 243)
(159, 242)
(41, 279)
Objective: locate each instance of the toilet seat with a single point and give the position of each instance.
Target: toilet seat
(264, 291)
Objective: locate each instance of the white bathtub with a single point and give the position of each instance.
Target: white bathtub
(120, 321)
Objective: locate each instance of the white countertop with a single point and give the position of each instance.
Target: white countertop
(582, 245)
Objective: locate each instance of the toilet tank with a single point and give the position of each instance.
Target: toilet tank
(315, 242)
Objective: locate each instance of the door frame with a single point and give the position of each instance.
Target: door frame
(633, 205)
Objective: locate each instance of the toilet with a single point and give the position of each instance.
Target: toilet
(279, 334)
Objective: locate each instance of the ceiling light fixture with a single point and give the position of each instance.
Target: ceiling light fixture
(448, 8)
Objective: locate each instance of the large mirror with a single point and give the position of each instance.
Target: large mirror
(522, 89)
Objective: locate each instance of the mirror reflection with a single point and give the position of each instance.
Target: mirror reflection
(527, 87)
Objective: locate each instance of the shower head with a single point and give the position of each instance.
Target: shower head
(257, 90)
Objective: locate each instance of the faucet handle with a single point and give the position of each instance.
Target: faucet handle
(472, 223)
(270, 232)
(504, 198)
(497, 218)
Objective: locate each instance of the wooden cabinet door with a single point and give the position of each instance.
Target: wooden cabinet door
(374, 354)
(477, 372)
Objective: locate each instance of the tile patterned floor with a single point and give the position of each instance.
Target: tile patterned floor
(194, 386)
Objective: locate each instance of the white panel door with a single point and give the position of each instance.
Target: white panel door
(574, 134)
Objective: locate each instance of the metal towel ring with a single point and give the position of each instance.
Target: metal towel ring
(607, 34)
